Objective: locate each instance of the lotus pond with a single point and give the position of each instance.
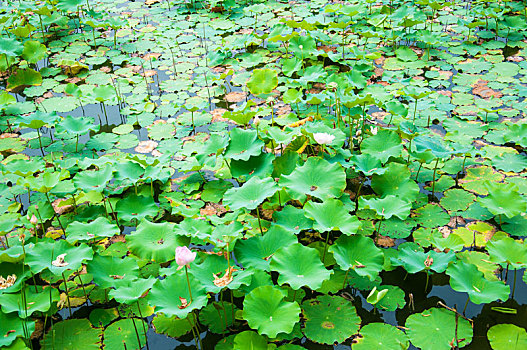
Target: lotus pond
(263, 174)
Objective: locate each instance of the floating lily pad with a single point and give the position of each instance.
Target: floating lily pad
(381, 336)
(69, 334)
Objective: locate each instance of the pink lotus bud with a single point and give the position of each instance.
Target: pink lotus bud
(184, 256)
(33, 220)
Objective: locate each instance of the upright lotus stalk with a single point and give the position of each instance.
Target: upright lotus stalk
(183, 258)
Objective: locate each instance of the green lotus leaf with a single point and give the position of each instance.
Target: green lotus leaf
(387, 207)
(100, 227)
(171, 295)
(133, 207)
(298, 266)
(11, 268)
(218, 316)
(10, 46)
(255, 251)
(396, 180)
(414, 259)
(329, 319)
(262, 81)
(381, 336)
(503, 199)
(155, 241)
(317, 178)
(435, 145)
(510, 162)
(172, 326)
(123, 334)
(34, 51)
(392, 299)
(435, 329)
(214, 265)
(266, 310)
(358, 253)
(431, 215)
(22, 78)
(39, 300)
(476, 179)
(261, 166)
(67, 335)
(292, 219)
(517, 133)
(243, 144)
(250, 340)
(508, 251)
(45, 255)
(93, 180)
(367, 164)
(382, 146)
(130, 291)
(251, 194)
(332, 215)
(457, 199)
(110, 272)
(507, 337)
(13, 327)
(468, 279)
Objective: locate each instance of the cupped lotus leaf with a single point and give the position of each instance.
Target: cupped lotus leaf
(510, 162)
(435, 329)
(214, 276)
(45, 255)
(299, 266)
(10, 46)
(396, 180)
(261, 166)
(131, 291)
(457, 199)
(218, 316)
(266, 310)
(292, 219)
(22, 78)
(77, 125)
(332, 215)
(317, 178)
(507, 337)
(262, 81)
(172, 327)
(329, 319)
(255, 251)
(381, 336)
(503, 199)
(171, 295)
(467, 278)
(358, 253)
(34, 51)
(367, 164)
(122, 334)
(110, 271)
(413, 259)
(104, 93)
(69, 334)
(100, 227)
(39, 300)
(435, 145)
(508, 252)
(382, 146)
(97, 180)
(133, 207)
(250, 340)
(12, 327)
(251, 194)
(243, 144)
(388, 206)
(155, 241)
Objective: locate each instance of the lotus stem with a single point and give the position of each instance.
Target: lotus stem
(144, 328)
(40, 141)
(259, 220)
(466, 304)
(294, 295)
(434, 178)
(188, 283)
(67, 292)
(136, 332)
(427, 279)
(325, 248)
(345, 279)
(193, 332)
(83, 289)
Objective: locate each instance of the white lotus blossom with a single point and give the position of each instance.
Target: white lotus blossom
(323, 138)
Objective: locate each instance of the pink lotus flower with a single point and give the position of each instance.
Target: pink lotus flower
(184, 256)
